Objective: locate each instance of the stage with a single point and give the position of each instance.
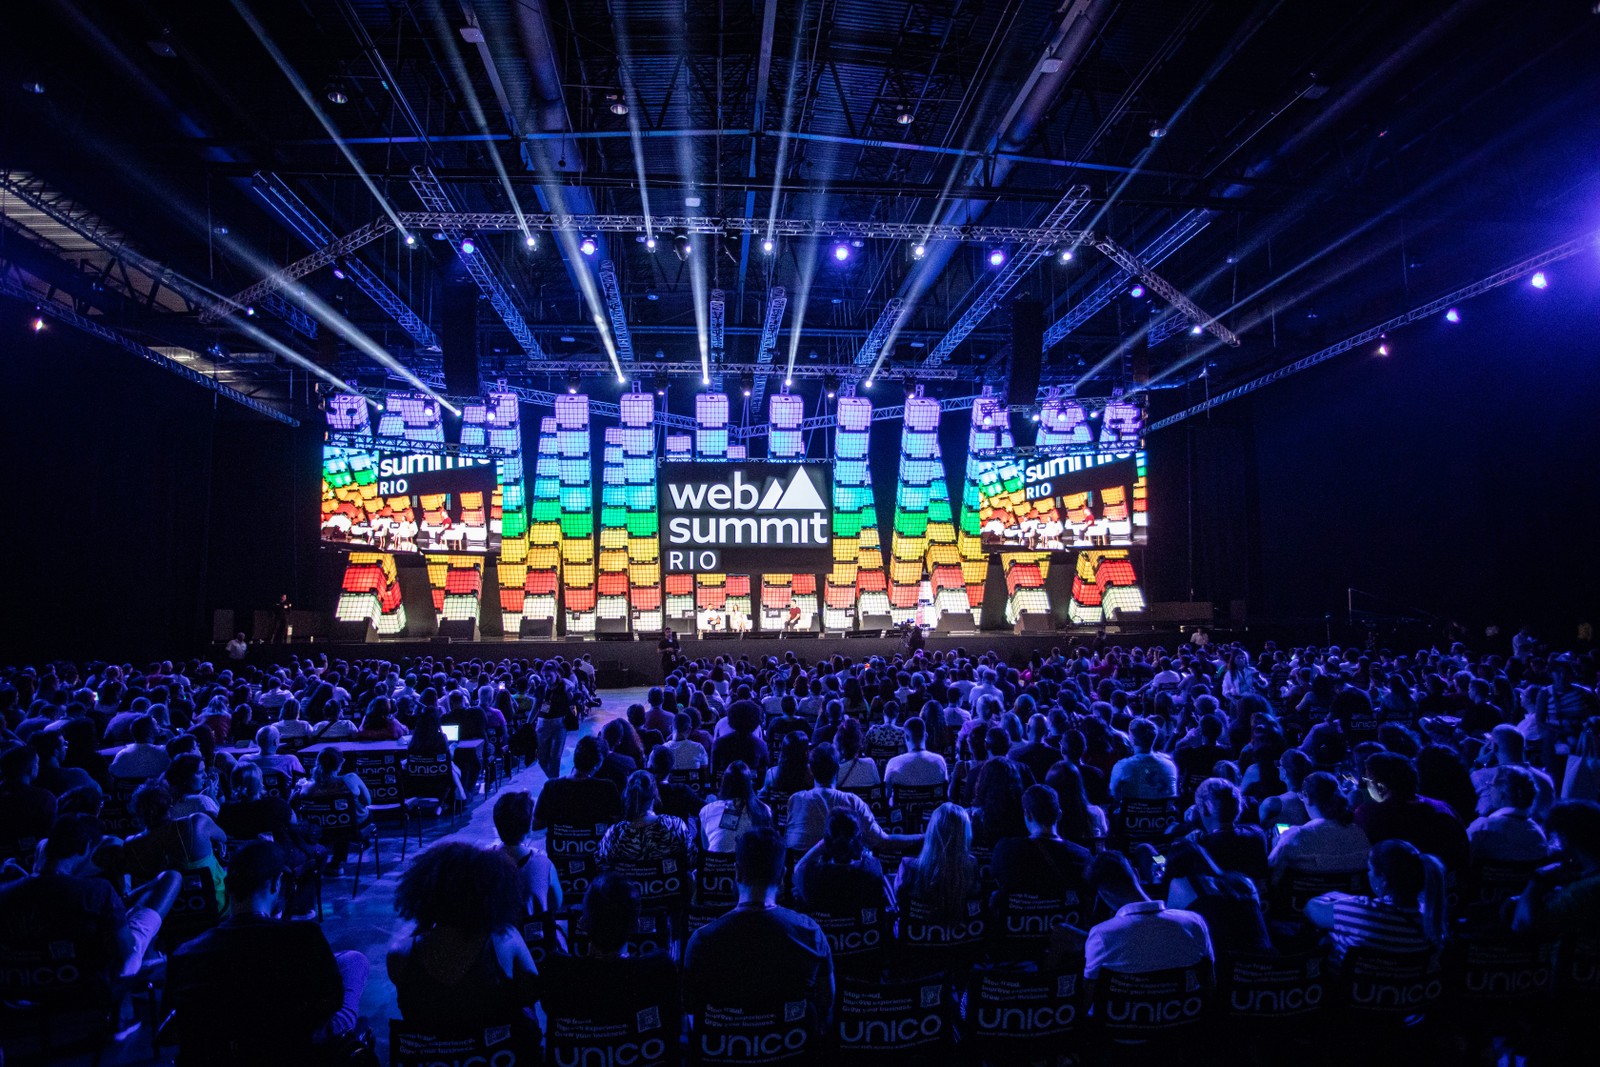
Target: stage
(636, 662)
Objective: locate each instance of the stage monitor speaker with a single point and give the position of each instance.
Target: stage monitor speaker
(876, 622)
(1033, 622)
(1027, 351)
(458, 337)
(611, 627)
(951, 622)
(356, 632)
(542, 628)
(222, 625)
(459, 629)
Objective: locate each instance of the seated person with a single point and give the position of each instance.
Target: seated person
(838, 876)
(677, 800)
(916, 766)
(1394, 810)
(1233, 847)
(63, 902)
(642, 836)
(250, 812)
(1329, 841)
(759, 954)
(1147, 774)
(608, 981)
(1563, 899)
(1226, 900)
(169, 844)
(1143, 935)
(580, 799)
(1509, 834)
(737, 808)
(1041, 864)
(26, 810)
(218, 982)
(329, 781)
(268, 758)
(463, 965)
(53, 775)
(1404, 913)
(186, 775)
(142, 757)
(513, 822)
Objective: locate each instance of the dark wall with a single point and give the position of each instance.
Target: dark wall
(1456, 476)
(137, 500)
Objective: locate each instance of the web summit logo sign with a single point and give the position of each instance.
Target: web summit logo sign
(722, 516)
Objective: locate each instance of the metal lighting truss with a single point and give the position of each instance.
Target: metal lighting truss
(432, 193)
(1023, 260)
(280, 279)
(90, 326)
(299, 217)
(619, 319)
(719, 322)
(584, 368)
(1424, 311)
(733, 226)
(952, 403)
(37, 195)
(1173, 238)
(537, 397)
(1164, 289)
(1165, 327)
(879, 332)
(777, 300)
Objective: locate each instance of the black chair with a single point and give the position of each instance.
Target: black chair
(1156, 1008)
(632, 1034)
(1578, 968)
(276, 784)
(332, 821)
(1289, 896)
(665, 887)
(1263, 990)
(876, 797)
(194, 910)
(1021, 1012)
(504, 1045)
(1388, 988)
(653, 934)
(894, 1022)
(714, 880)
(1493, 974)
(911, 805)
(1023, 922)
(59, 985)
(1491, 883)
(778, 801)
(859, 940)
(738, 1035)
(1136, 822)
(572, 850)
(427, 788)
(928, 941)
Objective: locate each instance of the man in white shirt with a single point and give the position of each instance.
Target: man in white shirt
(1508, 834)
(291, 725)
(687, 753)
(1145, 775)
(1144, 935)
(141, 759)
(1510, 749)
(917, 766)
(237, 648)
(985, 687)
(809, 810)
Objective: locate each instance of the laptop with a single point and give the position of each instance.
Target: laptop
(452, 732)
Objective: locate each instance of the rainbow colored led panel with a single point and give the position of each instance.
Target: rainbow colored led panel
(575, 517)
(410, 417)
(1104, 587)
(924, 569)
(778, 591)
(857, 583)
(1024, 571)
(784, 440)
(370, 590)
(629, 577)
(711, 426)
(457, 584)
(347, 413)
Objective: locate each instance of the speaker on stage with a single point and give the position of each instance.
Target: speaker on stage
(459, 629)
(611, 627)
(876, 622)
(1034, 622)
(540, 628)
(1027, 351)
(357, 632)
(951, 622)
(458, 335)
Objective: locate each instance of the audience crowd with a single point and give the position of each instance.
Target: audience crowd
(768, 856)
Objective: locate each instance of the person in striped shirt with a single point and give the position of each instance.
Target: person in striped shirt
(1405, 912)
(1561, 708)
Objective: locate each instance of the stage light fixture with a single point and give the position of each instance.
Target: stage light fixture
(250, 312)
(1452, 315)
(1137, 292)
(746, 384)
(36, 88)
(411, 240)
(681, 246)
(337, 96)
(830, 386)
(1196, 330)
(618, 107)
(919, 250)
(467, 247)
(904, 117)
(661, 385)
(1157, 131)
(588, 246)
(788, 383)
(38, 325)
(531, 241)
(841, 252)
(1539, 281)
(649, 244)
(1383, 349)
(767, 246)
(1035, 416)
(1066, 255)
(572, 384)
(997, 257)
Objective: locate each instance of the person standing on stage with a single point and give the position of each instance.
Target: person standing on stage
(280, 620)
(668, 647)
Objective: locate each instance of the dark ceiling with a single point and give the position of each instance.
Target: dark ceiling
(1325, 165)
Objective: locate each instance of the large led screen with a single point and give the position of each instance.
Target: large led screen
(759, 517)
(1062, 503)
(408, 501)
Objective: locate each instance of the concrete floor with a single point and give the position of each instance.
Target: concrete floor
(367, 923)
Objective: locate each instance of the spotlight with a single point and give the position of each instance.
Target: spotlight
(661, 385)
(649, 244)
(1137, 292)
(411, 240)
(36, 88)
(904, 117)
(588, 246)
(746, 384)
(572, 383)
(651, 295)
(440, 235)
(830, 386)
(1196, 330)
(1157, 131)
(1035, 416)
(767, 246)
(997, 257)
(467, 247)
(841, 252)
(788, 382)
(1066, 255)
(867, 384)
(619, 108)
(531, 241)
(38, 325)
(705, 379)
(250, 312)
(681, 245)
(1539, 281)
(338, 272)
(336, 96)
(919, 250)
(1383, 349)
(1452, 315)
